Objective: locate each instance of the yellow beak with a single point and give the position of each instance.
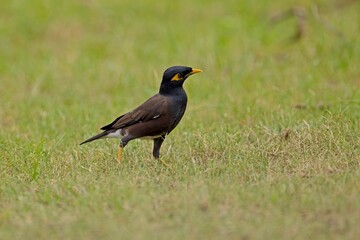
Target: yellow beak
(194, 70)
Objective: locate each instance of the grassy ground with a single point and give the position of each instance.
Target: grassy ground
(269, 146)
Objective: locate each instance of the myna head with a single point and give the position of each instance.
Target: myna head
(175, 76)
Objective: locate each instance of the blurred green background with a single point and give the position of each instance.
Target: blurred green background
(268, 147)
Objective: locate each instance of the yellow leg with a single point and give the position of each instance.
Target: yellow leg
(120, 154)
(164, 163)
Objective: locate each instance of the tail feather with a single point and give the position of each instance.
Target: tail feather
(98, 136)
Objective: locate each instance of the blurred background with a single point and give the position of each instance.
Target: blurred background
(268, 147)
(64, 64)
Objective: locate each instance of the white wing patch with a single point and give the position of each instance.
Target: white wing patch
(116, 134)
(156, 116)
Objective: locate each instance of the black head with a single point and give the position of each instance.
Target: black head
(175, 76)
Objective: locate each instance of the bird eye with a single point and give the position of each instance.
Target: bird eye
(177, 77)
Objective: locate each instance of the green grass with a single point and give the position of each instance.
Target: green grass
(269, 147)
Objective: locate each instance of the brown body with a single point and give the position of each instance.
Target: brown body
(155, 118)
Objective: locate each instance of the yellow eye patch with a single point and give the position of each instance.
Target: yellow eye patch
(177, 77)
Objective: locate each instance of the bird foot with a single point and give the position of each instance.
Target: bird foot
(162, 162)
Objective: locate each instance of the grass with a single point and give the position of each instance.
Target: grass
(269, 146)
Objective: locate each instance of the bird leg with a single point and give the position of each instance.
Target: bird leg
(163, 163)
(123, 143)
(156, 150)
(157, 146)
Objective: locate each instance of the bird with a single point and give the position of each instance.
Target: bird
(156, 117)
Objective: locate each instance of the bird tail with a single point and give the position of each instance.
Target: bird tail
(98, 136)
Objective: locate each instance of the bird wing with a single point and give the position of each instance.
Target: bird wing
(153, 108)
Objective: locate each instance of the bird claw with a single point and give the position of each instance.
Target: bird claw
(162, 162)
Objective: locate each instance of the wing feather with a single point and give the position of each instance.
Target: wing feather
(153, 108)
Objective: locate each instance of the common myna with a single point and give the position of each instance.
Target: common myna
(155, 118)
